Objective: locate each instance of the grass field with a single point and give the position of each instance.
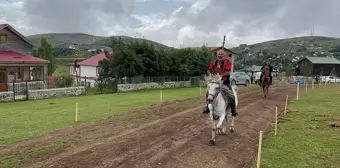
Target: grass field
(305, 138)
(61, 68)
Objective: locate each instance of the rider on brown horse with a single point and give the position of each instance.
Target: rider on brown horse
(270, 72)
(222, 65)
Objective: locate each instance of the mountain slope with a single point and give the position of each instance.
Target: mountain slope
(82, 41)
(284, 53)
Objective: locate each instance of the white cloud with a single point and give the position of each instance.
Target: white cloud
(203, 21)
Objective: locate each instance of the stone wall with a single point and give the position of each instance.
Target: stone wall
(6, 96)
(140, 86)
(55, 93)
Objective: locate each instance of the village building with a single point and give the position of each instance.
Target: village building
(17, 65)
(88, 69)
(322, 66)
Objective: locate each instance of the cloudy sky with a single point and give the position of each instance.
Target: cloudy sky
(177, 22)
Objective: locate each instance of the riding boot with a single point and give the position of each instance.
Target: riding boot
(232, 104)
(233, 108)
(260, 80)
(206, 109)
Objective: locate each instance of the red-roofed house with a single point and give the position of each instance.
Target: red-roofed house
(16, 61)
(88, 68)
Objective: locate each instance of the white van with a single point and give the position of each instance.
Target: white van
(257, 77)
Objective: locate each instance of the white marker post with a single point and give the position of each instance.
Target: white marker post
(259, 150)
(76, 112)
(306, 88)
(312, 84)
(161, 95)
(286, 105)
(297, 91)
(275, 120)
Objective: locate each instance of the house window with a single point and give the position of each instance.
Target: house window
(3, 38)
(35, 73)
(18, 74)
(98, 70)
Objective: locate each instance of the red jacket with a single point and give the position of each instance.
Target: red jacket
(227, 67)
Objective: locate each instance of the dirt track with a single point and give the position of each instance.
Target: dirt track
(169, 140)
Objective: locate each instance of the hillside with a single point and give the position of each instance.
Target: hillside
(82, 41)
(284, 53)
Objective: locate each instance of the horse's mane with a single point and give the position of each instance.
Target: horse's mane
(212, 78)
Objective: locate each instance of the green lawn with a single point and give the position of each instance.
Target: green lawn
(21, 120)
(61, 68)
(305, 138)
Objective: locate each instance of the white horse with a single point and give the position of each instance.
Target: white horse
(218, 107)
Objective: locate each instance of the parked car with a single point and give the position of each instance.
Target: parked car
(332, 79)
(323, 79)
(239, 78)
(257, 77)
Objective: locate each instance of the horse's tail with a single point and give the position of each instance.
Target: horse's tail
(235, 89)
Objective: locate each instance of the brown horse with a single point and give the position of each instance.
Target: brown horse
(265, 81)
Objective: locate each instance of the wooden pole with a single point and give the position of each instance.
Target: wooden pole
(76, 112)
(275, 120)
(297, 91)
(259, 150)
(286, 105)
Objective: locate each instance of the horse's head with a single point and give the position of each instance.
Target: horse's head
(214, 82)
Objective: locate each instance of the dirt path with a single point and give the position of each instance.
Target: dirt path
(172, 139)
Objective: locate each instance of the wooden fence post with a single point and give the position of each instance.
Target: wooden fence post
(26, 92)
(13, 90)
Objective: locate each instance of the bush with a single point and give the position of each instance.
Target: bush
(63, 81)
(108, 84)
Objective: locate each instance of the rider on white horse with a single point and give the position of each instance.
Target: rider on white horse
(222, 65)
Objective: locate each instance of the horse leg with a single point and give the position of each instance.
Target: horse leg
(263, 91)
(232, 127)
(220, 121)
(213, 132)
(220, 124)
(224, 128)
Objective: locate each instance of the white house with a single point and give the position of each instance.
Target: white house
(88, 68)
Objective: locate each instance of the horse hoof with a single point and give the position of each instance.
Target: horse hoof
(212, 142)
(232, 130)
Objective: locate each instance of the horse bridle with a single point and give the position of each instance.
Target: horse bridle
(214, 95)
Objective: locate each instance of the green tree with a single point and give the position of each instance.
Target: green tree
(45, 52)
(126, 63)
(333, 72)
